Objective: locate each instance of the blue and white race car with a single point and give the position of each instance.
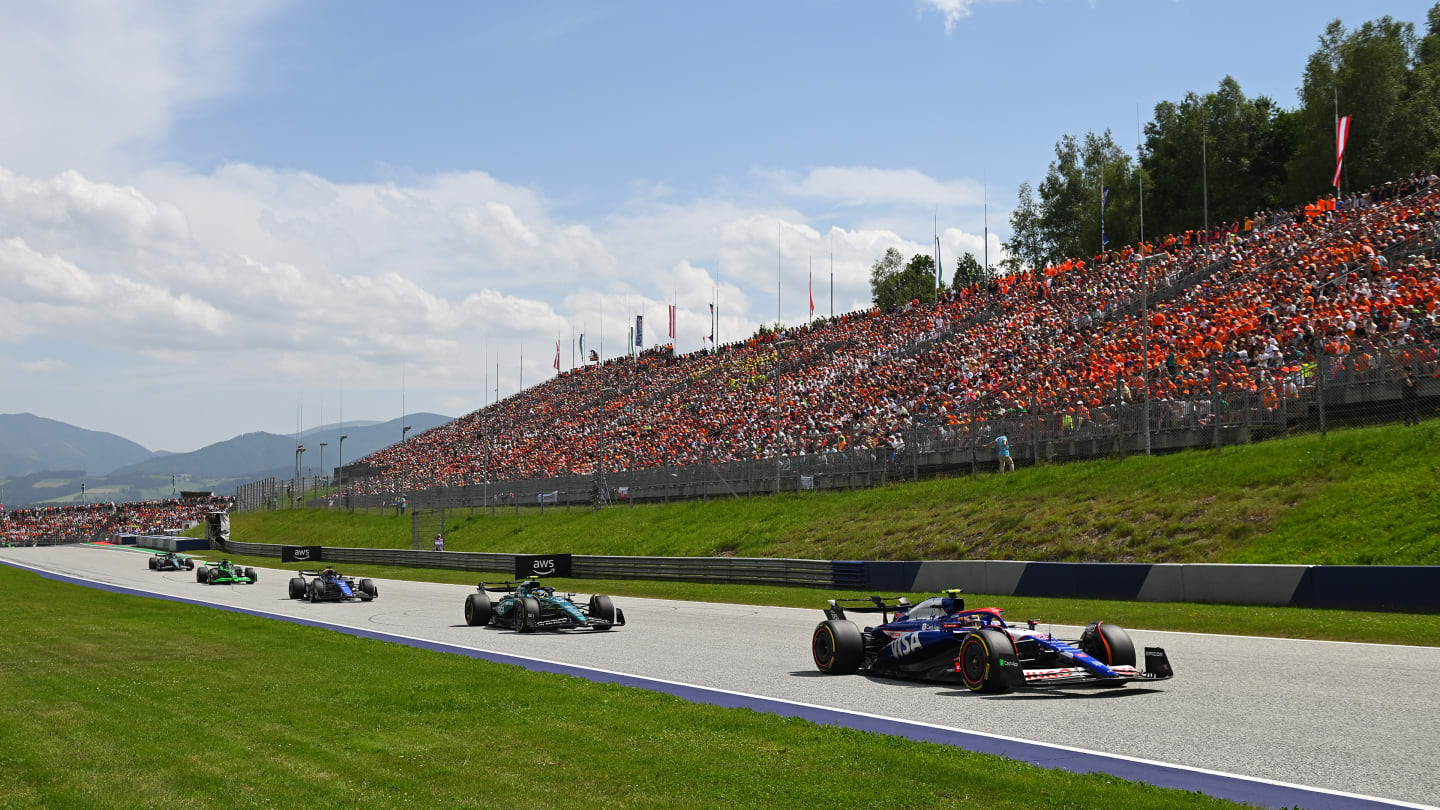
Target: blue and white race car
(937, 639)
(330, 586)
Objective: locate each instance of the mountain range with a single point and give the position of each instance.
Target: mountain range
(46, 461)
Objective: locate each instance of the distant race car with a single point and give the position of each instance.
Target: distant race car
(223, 572)
(329, 586)
(531, 605)
(170, 561)
(937, 639)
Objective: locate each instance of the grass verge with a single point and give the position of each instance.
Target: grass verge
(1283, 622)
(115, 701)
(1363, 496)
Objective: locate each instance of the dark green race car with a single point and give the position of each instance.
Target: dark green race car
(225, 572)
(530, 606)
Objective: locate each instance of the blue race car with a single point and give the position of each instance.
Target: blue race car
(329, 586)
(937, 639)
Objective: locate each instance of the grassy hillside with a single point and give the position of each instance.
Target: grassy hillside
(1363, 496)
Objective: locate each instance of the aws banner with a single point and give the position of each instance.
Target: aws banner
(300, 553)
(542, 565)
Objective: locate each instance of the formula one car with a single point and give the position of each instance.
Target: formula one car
(529, 606)
(329, 586)
(223, 572)
(937, 639)
(170, 561)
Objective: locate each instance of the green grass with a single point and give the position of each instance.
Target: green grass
(1284, 622)
(115, 701)
(1362, 496)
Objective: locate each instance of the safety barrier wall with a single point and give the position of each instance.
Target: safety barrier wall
(163, 542)
(1413, 588)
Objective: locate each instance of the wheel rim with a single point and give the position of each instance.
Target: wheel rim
(973, 661)
(824, 648)
(469, 612)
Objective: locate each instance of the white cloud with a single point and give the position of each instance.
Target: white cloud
(90, 80)
(48, 365)
(953, 11)
(286, 279)
(861, 185)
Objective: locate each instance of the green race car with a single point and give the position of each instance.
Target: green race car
(225, 572)
(169, 561)
(530, 605)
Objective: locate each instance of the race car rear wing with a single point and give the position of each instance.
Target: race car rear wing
(884, 605)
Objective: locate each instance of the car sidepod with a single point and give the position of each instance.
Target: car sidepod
(922, 653)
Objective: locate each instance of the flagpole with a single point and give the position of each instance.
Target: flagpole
(810, 283)
(777, 275)
(1144, 292)
(1336, 88)
(985, 197)
(832, 274)
(1205, 179)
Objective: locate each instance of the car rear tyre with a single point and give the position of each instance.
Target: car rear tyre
(1109, 644)
(837, 647)
(602, 608)
(527, 613)
(477, 610)
(297, 587)
(983, 655)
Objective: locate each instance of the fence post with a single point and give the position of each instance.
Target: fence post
(1035, 428)
(913, 449)
(1215, 404)
(1320, 372)
(1119, 419)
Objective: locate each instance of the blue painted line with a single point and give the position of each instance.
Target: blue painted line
(1261, 792)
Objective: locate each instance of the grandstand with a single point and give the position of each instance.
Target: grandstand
(1244, 311)
(88, 522)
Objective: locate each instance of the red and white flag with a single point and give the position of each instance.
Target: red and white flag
(812, 297)
(557, 355)
(1342, 134)
(672, 322)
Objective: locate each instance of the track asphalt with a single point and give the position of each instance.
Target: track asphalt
(1356, 721)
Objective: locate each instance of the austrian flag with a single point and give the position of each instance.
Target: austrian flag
(1342, 134)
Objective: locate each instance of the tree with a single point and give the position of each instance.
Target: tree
(1386, 79)
(1069, 210)
(1246, 145)
(1029, 244)
(967, 271)
(893, 285)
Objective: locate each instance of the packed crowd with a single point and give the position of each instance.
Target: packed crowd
(97, 521)
(1249, 302)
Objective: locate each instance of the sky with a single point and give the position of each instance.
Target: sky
(209, 215)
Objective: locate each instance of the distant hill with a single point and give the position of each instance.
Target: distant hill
(359, 423)
(218, 467)
(261, 455)
(31, 444)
